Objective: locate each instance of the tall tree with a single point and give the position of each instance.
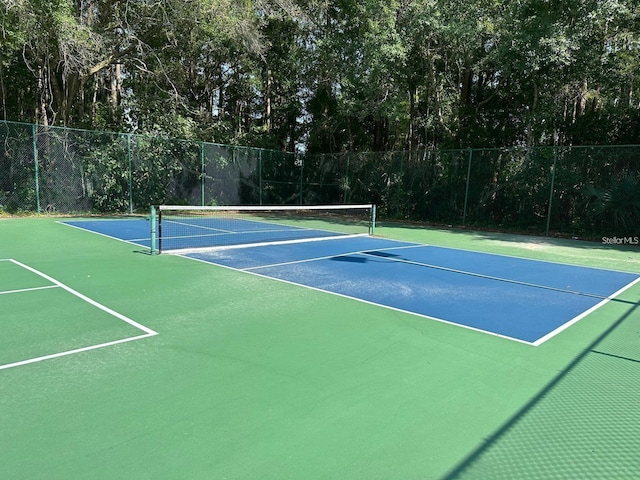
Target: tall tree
(328, 75)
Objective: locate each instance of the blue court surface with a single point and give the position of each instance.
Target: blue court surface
(525, 300)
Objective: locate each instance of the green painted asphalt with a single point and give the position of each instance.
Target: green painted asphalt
(250, 378)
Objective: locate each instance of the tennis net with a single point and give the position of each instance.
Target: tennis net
(184, 228)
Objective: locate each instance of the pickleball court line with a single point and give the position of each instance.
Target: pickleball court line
(537, 260)
(489, 277)
(130, 242)
(57, 284)
(196, 226)
(537, 342)
(90, 301)
(230, 233)
(579, 317)
(436, 267)
(326, 257)
(21, 290)
(361, 300)
(71, 352)
(250, 221)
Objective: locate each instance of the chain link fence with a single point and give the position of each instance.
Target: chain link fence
(592, 190)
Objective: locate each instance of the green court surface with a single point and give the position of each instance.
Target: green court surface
(251, 378)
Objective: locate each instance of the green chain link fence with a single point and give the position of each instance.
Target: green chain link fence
(580, 190)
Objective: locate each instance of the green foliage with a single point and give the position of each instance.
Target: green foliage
(617, 203)
(577, 190)
(330, 76)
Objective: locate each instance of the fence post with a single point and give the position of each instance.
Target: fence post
(130, 173)
(301, 175)
(345, 186)
(34, 135)
(260, 176)
(553, 180)
(466, 191)
(372, 229)
(202, 173)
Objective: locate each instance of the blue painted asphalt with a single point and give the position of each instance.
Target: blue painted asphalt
(517, 298)
(132, 230)
(513, 297)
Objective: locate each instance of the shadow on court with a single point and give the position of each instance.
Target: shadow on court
(584, 424)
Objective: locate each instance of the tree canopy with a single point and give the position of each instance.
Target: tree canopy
(328, 76)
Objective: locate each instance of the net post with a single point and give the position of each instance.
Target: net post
(373, 219)
(153, 220)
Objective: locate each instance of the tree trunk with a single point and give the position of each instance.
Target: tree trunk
(3, 89)
(581, 100)
(41, 113)
(115, 89)
(412, 119)
(267, 117)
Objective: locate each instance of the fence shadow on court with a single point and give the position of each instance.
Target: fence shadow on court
(584, 424)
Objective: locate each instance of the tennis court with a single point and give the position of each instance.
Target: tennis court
(282, 347)
(520, 299)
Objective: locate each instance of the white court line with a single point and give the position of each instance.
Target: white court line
(28, 289)
(554, 262)
(232, 233)
(536, 343)
(148, 332)
(203, 227)
(564, 326)
(130, 242)
(482, 275)
(368, 302)
(87, 299)
(326, 257)
(71, 352)
(437, 267)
